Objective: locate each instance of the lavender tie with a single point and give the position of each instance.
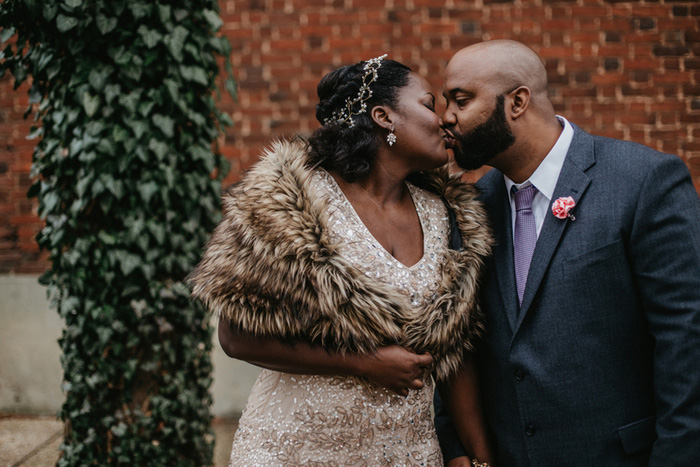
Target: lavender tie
(525, 236)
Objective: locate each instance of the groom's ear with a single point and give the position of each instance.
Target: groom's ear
(520, 102)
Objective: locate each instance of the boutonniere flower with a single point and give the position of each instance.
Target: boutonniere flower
(561, 208)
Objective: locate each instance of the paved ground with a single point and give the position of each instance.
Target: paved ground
(33, 441)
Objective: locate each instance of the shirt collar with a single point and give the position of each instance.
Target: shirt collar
(547, 173)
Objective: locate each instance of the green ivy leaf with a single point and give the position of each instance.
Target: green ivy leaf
(98, 78)
(176, 42)
(65, 23)
(147, 190)
(139, 9)
(90, 104)
(49, 10)
(128, 262)
(164, 13)
(106, 24)
(230, 86)
(126, 202)
(6, 33)
(165, 124)
(120, 55)
(150, 37)
(213, 19)
(138, 127)
(120, 134)
(159, 148)
(194, 73)
(130, 101)
(49, 202)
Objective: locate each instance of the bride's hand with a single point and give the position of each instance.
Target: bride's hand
(396, 368)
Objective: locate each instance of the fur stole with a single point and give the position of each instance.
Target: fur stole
(271, 269)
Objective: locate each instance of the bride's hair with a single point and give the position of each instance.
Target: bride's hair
(348, 149)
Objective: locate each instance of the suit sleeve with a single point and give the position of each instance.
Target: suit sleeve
(665, 255)
(447, 435)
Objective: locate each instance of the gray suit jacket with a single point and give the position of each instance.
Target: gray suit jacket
(601, 364)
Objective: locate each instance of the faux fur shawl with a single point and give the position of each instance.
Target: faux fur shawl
(272, 270)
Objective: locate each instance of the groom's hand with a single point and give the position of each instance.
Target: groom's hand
(396, 368)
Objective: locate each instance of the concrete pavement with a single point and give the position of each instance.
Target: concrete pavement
(33, 441)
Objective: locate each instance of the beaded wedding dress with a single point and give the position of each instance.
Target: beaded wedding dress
(305, 420)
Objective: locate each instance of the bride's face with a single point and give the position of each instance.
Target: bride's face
(419, 138)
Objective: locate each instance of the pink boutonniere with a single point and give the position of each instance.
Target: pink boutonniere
(562, 206)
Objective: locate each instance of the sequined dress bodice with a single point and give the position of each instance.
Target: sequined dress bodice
(295, 420)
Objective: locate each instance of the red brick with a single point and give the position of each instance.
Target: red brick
(601, 61)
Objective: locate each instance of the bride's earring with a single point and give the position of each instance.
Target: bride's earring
(391, 138)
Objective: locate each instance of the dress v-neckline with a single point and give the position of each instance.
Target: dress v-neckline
(358, 220)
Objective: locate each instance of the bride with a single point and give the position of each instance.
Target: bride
(332, 270)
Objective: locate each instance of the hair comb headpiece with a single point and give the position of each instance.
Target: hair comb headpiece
(345, 114)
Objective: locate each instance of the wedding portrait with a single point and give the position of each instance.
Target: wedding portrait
(378, 234)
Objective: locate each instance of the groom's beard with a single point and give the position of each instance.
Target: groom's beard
(477, 147)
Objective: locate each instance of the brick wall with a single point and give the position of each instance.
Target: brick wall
(625, 69)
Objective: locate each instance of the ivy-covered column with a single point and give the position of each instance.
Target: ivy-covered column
(128, 179)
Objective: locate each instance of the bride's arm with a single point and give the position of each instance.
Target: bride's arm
(392, 367)
(461, 397)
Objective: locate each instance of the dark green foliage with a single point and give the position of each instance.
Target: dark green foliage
(128, 181)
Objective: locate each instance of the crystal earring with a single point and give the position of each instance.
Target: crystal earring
(391, 138)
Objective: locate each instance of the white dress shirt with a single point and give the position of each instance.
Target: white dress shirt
(545, 177)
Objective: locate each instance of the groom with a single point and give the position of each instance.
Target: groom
(592, 296)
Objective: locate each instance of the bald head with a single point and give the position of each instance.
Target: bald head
(498, 108)
(504, 64)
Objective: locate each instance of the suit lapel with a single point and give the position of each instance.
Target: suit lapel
(573, 182)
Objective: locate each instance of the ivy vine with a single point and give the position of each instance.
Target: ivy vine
(128, 179)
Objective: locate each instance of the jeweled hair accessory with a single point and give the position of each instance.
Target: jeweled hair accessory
(345, 114)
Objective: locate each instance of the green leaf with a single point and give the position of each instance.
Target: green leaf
(53, 69)
(147, 190)
(150, 37)
(49, 11)
(90, 104)
(65, 23)
(176, 42)
(48, 203)
(130, 101)
(44, 60)
(111, 91)
(74, 3)
(120, 134)
(225, 119)
(6, 33)
(82, 186)
(165, 123)
(35, 133)
(213, 19)
(20, 74)
(116, 187)
(105, 24)
(231, 87)
(194, 73)
(120, 55)
(146, 107)
(106, 147)
(138, 127)
(133, 72)
(159, 148)
(139, 9)
(97, 78)
(33, 190)
(128, 262)
(164, 13)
